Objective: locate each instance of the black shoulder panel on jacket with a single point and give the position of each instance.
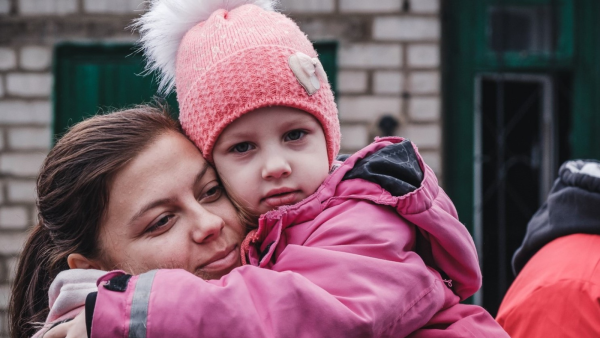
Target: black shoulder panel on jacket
(395, 168)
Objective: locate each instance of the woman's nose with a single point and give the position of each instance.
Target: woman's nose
(207, 226)
(276, 167)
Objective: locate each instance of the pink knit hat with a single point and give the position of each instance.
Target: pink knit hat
(231, 58)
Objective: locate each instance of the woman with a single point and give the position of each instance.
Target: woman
(126, 167)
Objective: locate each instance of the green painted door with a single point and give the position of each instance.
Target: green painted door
(520, 79)
(99, 78)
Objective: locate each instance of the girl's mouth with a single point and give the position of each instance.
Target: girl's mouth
(283, 196)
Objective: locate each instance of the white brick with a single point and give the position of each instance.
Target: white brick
(364, 6)
(11, 268)
(44, 7)
(424, 109)
(22, 165)
(12, 243)
(354, 137)
(370, 56)
(4, 6)
(4, 297)
(29, 85)
(21, 191)
(433, 159)
(405, 28)
(388, 82)
(424, 136)
(424, 56)
(424, 82)
(35, 58)
(60, 7)
(425, 6)
(8, 59)
(113, 6)
(367, 108)
(34, 214)
(352, 82)
(19, 112)
(29, 138)
(307, 6)
(4, 330)
(13, 218)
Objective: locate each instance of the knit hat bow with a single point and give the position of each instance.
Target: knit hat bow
(308, 71)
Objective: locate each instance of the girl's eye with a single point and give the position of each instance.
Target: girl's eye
(241, 147)
(294, 135)
(160, 223)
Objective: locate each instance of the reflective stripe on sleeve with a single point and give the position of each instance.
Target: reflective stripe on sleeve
(139, 305)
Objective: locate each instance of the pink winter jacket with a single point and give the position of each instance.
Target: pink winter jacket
(348, 261)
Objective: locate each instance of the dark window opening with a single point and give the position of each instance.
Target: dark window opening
(522, 28)
(520, 153)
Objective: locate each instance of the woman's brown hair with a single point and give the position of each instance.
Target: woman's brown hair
(72, 197)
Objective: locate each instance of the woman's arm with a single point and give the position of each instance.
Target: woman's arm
(363, 283)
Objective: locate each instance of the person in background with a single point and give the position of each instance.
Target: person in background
(557, 290)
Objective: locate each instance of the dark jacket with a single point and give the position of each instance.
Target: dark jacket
(573, 207)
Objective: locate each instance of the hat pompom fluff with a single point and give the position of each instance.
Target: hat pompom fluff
(164, 25)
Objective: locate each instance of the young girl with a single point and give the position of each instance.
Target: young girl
(370, 247)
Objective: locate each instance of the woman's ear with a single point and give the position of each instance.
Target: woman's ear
(78, 261)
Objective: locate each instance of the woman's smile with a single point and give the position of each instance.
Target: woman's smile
(222, 261)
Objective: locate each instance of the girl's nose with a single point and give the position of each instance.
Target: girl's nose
(276, 167)
(206, 226)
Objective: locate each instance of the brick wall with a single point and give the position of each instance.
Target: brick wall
(388, 65)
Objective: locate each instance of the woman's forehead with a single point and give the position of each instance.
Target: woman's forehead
(169, 167)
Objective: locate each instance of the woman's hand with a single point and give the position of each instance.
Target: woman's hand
(72, 329)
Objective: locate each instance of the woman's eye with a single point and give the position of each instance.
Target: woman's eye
(212, 194)
(160, 223)
(294, 135)
(241, 147)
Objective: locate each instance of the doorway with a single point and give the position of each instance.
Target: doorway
(517, 137)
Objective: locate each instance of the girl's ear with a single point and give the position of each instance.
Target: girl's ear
(78, 261)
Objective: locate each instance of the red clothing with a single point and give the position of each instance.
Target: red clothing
(557, 294)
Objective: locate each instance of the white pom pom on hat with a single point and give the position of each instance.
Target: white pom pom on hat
(164, 25)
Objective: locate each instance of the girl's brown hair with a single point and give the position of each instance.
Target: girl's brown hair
(73, 190)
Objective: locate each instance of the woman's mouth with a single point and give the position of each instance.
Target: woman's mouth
(222, 261)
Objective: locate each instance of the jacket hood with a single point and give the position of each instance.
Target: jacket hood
(573, 207)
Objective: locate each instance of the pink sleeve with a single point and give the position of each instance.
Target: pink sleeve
(448, 245)
(461, 321)
(250, 302)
